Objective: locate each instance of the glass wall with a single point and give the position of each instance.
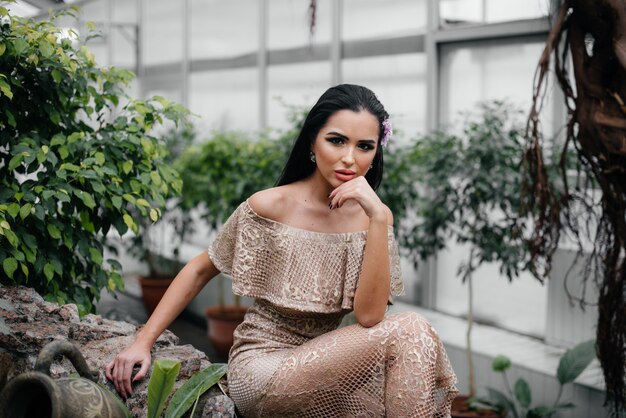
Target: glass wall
(403, 94)
(226, 99)
(294, 85)
(455, 12)
(288, 25)
(222, 29)
(162, 32)
(370, 19)
(472, 72)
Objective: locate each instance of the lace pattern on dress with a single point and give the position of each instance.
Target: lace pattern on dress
(292, 267)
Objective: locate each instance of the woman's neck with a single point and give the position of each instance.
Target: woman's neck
(316, 189)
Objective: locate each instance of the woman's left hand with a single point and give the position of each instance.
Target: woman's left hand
(359, 190)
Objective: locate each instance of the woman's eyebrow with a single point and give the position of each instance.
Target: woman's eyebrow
(337, 134)
(372, 141)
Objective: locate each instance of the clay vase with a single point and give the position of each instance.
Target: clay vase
(221, 323)
(152, 290)
(36, 394)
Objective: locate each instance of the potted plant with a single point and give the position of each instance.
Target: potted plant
(78, 157)
(472, 196)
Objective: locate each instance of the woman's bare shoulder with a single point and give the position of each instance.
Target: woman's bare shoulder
(267, 203)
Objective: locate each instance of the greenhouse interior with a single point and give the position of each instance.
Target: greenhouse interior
(212, 94)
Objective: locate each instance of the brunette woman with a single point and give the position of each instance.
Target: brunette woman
(318, 245)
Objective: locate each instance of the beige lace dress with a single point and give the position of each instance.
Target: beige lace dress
(290, 360)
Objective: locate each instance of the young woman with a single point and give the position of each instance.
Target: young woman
(311, 249)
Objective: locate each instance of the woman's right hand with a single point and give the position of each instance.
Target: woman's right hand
(183, 289)
(119, 370)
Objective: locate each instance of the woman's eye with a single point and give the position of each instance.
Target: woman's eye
(366, 147)
(335, 140)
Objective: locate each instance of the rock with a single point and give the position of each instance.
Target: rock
(28, 323)
(220, 406)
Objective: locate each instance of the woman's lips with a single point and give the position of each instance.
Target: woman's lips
(345, 175)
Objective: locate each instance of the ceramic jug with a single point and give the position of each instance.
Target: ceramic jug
(36, 394)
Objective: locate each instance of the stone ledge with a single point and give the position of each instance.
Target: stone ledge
(28, 323)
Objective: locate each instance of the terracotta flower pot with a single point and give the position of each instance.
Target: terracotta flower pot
(152, 290)
(461, 409)
(222, 321)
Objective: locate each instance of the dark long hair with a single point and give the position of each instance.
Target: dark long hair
(343, 96)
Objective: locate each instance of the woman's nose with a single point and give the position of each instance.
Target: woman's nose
(348, 156)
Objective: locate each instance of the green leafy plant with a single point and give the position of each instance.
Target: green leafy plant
(472, 195)
(517, 400)
(164, 374)
(77, 158)
(189, 393)
(145, 245)
(399, 190)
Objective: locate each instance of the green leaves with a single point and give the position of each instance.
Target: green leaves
(63, 178)
(128, 220)
(9, 265)
(6, 89)
(96, 255)
(160, 386)
(19, 45)
(501, 363)
(470, 184)
(46, 49)
(127, 166)
(54, 231)
(48, 270)
(547, 411)
(522, 392)
(193, 388)
(575, 360)
(25, 210)
(571, 365)
(227, 168)
(86, 198)
(502, 400)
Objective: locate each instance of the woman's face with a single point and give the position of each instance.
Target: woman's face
(345, 146)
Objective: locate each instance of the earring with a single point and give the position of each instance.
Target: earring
(371, 166)
(312, 156)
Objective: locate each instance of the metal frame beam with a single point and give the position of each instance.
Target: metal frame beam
(499, 30)
(262, 62)
(335, 46)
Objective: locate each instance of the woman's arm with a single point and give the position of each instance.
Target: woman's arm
(187, 284)
(372, 293)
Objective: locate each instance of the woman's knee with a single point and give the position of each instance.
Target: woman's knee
(411, 320)
(404, 326)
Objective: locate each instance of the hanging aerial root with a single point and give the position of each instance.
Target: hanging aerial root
(594, 34)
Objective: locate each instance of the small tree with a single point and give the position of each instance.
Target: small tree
(473, 187)
(74, 162)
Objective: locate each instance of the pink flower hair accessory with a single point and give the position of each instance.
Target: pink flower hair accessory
(387, 132)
